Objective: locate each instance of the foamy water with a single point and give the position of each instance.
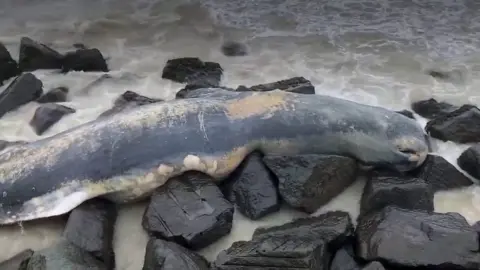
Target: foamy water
(373, 53)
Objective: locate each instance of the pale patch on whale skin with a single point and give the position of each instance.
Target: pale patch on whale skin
(260, 104)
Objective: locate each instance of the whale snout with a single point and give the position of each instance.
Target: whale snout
(413, 151)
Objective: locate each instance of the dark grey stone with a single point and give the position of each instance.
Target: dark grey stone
(24, 89)
(47, 115)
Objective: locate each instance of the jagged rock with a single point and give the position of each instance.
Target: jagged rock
(391, 188)
(414, 238)
(17, 262)
(8, 66)
(233, 48)
(63, 255)
(47, 115)
(127, 100)
(58, 94)
(431, 108)
(87, 60)
(192, 70)
(35, 55)
(5, 144)
(252, 187)
(161, 254)
(24, 89)
(190, 210)
(469, 160)
(460, 126)
(439, 174)
(305, 243)
(374, 266)
(90, 226)
(344, 259)
(310, 181)
(296, 85)
(407, 113)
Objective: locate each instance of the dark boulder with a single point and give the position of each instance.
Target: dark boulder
(24, 89)
(63, 255)
(253, 188)
(90, 226)
(47, 115)
(17, 262)
(161, 254)
(305, 243)
(439, 174)
(87, 60)
(233, 48)
(296, 85)
(128, 100)
(407, 113)
(391, 188)
(469, 160)
(192, 70)
(415, 238)
(344, 259)
(190, 210)
(310, 181)
(431, 108)
(8, 66)
(35, 55)
(459, 126)
(58, 94)
(374, 266)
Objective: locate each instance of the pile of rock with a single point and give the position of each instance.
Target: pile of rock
(396, 229)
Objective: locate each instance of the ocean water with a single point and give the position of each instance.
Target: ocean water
(369, 52)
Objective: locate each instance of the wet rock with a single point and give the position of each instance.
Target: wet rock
(127, 100)
(469, 160)
(252, 187)
(5, 144)
(344, 260)
(162, 254)
(296, 85)
(190, 210)
(414, 238)
(24, 89)
(17, 262)
(391, 188)
(431, 108)
(46, 115)
(90, 226)
(305, 243)
(310, 181)
(233, 48)
(58, 94)
(87, 60)
(407, 113)
(439, 174)
(63, 255)
(8, 66)
(95, 83)
(460, 126)
(374, 266)
(192, 70)
(35, 55)
(80, 46)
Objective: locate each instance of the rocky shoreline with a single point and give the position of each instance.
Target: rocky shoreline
(397, 227)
